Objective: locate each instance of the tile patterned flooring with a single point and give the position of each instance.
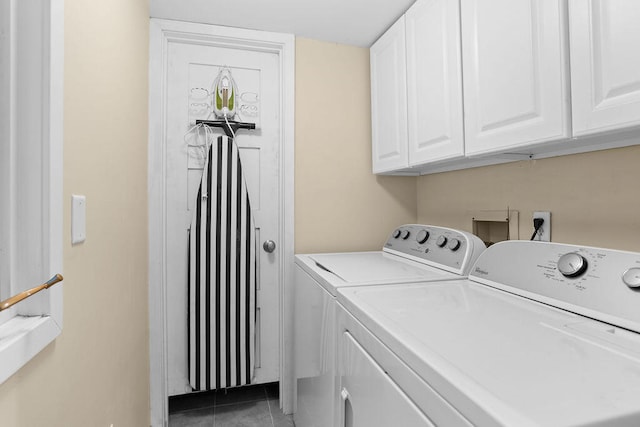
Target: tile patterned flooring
(253, 406)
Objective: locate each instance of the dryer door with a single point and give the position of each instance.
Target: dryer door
(369, 396)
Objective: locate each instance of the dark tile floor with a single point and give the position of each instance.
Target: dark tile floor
(252, 406)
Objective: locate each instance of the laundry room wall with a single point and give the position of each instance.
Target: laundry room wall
(592, 197)
(97, 372)
(339, 204)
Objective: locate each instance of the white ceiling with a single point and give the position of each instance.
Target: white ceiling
(353, 22)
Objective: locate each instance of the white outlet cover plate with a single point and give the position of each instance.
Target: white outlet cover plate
(544, 234)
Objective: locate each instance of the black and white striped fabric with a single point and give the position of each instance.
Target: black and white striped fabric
(222, 275)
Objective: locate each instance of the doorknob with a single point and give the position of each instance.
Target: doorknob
(269, 246)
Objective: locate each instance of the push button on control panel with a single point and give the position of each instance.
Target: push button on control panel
(632, 278)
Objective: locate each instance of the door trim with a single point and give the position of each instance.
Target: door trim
(162, 33)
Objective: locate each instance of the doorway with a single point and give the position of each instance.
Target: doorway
(184, 61)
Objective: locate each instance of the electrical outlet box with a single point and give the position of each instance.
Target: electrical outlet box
(544, 234)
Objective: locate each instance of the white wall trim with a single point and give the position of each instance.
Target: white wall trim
(163, 32)
(38, 321)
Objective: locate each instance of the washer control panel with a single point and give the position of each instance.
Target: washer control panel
(596, 282)
(438, 246)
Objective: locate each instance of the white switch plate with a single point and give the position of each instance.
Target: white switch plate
(544, 234)
(78, 219)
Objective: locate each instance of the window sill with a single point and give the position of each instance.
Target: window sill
(21, 338)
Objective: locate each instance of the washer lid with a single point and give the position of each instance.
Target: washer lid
(361, 268)
(504, 360)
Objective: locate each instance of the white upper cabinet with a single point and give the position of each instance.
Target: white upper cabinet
(466, 83)
(605, 64)
(515, 74)
(389, 100)
(434, 81)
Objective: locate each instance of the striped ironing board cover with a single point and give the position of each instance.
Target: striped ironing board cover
(222, 275)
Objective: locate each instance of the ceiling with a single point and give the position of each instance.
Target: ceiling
(352, 22)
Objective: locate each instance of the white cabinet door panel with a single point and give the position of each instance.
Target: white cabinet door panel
(515, 73)
(605, 64)
(389, 100)
(434, 81)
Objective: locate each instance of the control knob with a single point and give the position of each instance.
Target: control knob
(422, 236)
(572, 264)
(631, 277)
(406, 234)
(442, 241)
(396, 234)
(454, 244)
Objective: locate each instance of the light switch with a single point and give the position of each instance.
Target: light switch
(78, 219)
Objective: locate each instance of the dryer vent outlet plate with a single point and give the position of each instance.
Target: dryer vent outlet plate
(495, 226)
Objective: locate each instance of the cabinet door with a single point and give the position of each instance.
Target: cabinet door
(605, 64)
(515, 74)
(389, 100)
(368, 396)
(434, 81)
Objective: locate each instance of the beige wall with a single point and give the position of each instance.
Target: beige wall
(593, 197)
(97, 372)
(340, 205)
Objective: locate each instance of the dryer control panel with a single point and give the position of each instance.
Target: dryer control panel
(600, 283)
(446, 248)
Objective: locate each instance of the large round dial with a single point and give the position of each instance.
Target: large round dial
(422, 236)
(406, 234)
(442, 240)
(572, 264)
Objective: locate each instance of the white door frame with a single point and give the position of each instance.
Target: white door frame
(162, 33)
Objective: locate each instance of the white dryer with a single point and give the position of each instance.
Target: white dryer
(413, 253)
(540, 334)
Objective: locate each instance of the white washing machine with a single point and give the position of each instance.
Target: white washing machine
(540, 334)
(413, 253)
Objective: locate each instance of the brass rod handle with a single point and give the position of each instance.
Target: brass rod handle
(26, 294)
